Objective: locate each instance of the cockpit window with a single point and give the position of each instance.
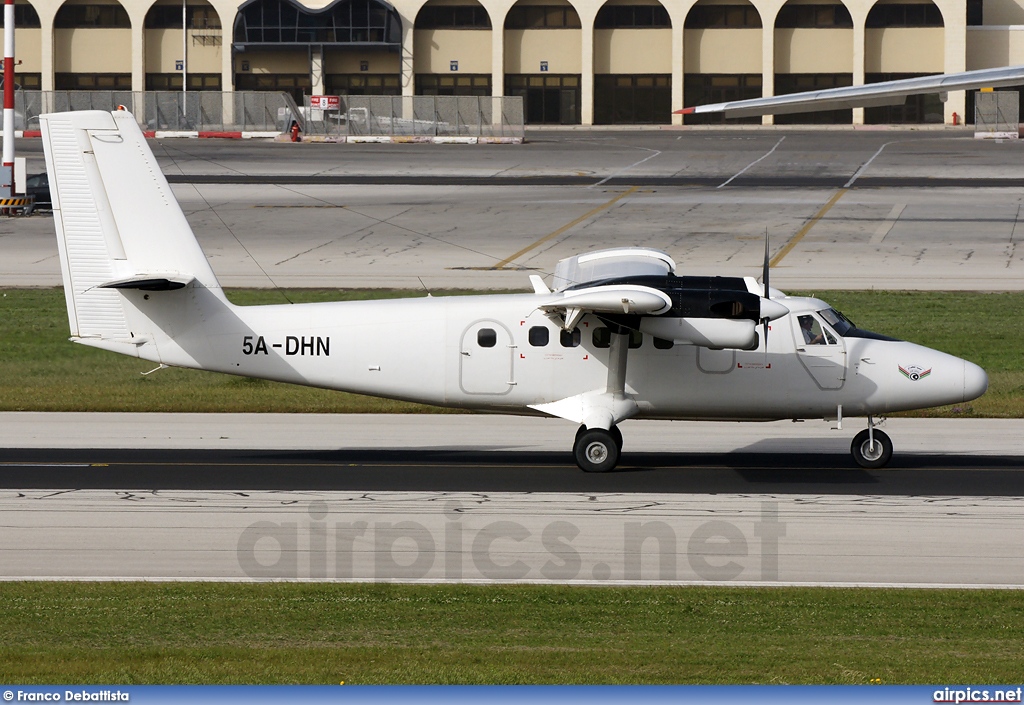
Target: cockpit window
(814, 333)
(837, 320)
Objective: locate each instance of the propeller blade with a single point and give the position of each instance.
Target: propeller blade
(767, 293)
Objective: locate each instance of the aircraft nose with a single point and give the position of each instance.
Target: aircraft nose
(975, 381)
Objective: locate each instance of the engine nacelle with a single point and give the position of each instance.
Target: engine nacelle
(703, 332)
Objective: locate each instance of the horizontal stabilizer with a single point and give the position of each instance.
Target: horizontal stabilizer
(869, 95)
(151, 282)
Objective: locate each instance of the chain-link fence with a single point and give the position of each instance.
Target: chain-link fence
(997, 114)
(412, 116)
(214, 111)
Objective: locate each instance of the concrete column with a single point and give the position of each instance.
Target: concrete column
(46, 51)
(954, 17)
(768, 61)
(316, 70)
(587, 69)
(858, 62)
(498, 56)
(408, 72)
(677, 67)
(139, 53)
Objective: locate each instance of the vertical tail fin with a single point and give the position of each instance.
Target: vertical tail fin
(118, 224)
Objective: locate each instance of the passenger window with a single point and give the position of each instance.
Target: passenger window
(539, 336)
(570, 339)
(603, 338)
(486, 338)
(662, 344)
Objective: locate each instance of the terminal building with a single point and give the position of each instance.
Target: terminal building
(573, 61)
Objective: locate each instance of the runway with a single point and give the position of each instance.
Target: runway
(489, 499)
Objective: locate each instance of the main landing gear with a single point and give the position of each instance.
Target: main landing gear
(871, 448)
(597, 449)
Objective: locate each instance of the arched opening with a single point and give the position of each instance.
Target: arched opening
(348, 47)
(543, 60)
(92, 46)
(28, 39)
(813, 51)
(632, 63)
(452, 48)
(173, 59)
(721, 56)
(904, 39)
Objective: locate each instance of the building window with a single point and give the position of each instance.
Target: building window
(703, 88)
(975, 14)
(548, 99)
(542, 17)
(26, 81)
(109, 16)
(345, 22)
(453, 84)
(723, 17)
(895, 15)
(539, 336)
(169, 17)
(916, 110)
(632, 17)
(362, 84)
(172, 81)
(453, 17)
(786, 83)
(813, 16)
(632, 100)
(92, 81)
(25, 16)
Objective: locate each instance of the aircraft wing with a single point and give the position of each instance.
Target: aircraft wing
(866, 96)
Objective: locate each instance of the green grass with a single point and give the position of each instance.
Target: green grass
(41, 371)
(363, 634)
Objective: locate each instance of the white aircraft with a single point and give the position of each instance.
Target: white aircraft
(618, 335)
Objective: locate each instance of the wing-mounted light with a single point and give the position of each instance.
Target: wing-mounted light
(628, 299)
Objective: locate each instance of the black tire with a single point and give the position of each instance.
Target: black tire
(614, 430)
(617, 437)
(596, 450)
(867, 457)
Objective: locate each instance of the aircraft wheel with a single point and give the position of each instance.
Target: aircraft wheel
(596, 450)
(868, 457)
(617, 437)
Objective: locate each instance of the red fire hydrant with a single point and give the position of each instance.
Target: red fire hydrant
(956, 119)
(295, 131)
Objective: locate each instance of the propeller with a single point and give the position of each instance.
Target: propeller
(766, 292)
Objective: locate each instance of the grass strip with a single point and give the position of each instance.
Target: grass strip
(134, 633)
(41, 371)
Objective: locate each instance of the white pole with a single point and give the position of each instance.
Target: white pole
(9, 89)
(184, 47)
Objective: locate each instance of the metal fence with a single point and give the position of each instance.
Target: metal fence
(412, 116)
(996, 114)
(249, 111)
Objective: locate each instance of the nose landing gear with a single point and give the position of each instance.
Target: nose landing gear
(871, 448)
(597, 449)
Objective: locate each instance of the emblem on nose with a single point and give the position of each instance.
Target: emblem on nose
(914, 372)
